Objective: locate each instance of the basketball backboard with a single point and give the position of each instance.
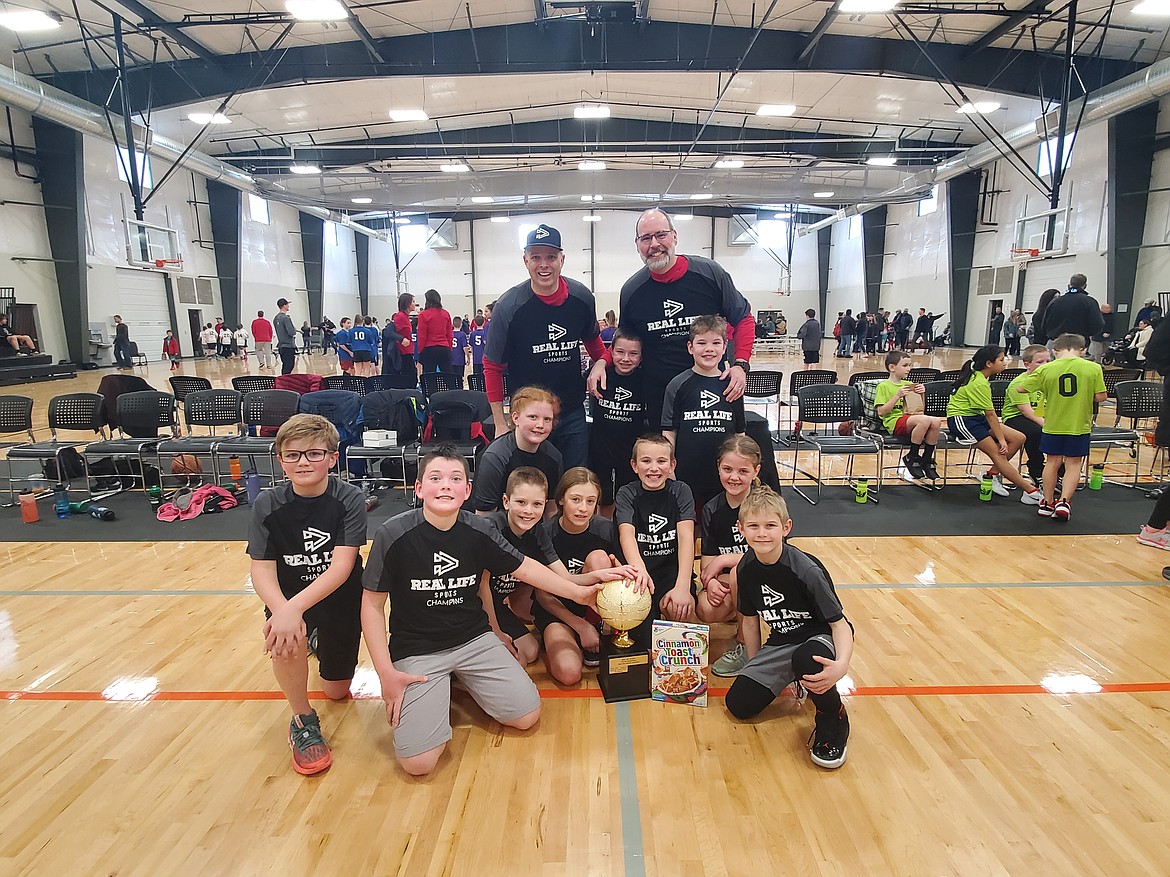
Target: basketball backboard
(1041, 234)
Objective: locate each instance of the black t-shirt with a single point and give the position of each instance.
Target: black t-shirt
(661, 314)
(432, 577)
(619, 417)
(795, 595)
(655, 515)
(720, 535)
(499, 460)
(300, 533)
(572, 549)
(694, 407)
(535, 544)
(5, 331)
(541, 343)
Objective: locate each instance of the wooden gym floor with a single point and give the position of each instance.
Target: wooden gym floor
(1009, 708)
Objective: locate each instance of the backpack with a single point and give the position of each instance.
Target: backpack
(72, 466)
(399, 410)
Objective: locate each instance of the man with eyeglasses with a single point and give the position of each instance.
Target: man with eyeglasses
(659, 303)
(537, 330)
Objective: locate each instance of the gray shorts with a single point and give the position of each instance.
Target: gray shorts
(772, 665)
(491, 675)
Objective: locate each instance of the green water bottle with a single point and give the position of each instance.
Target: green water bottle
(985, 488)
(861, 490)
(155, 495)
(79, 508)
(1097, 477)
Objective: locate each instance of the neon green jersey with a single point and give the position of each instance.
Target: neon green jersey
(1012, 400)
(974, 397)
(1069, 386)
(883, 393)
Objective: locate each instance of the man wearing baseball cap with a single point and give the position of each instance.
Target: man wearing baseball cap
(538, 327)
(286, 337)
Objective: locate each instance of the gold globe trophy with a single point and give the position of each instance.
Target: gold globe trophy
(624, 673)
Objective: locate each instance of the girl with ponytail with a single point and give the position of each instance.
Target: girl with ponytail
(972, 420)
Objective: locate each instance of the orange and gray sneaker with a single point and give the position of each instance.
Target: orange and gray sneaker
(310, 752)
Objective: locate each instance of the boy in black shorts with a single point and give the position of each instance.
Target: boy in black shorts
(809, 639)
(619, 417)
(431, 561)
(696, 415)
(656, 529)
(304, 541)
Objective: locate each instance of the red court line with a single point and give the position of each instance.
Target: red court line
(591, 693)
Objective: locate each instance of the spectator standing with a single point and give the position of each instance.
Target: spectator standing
(405, 332)
(262, 338)
(810, 334)
(1074, 313)
(122, 343)
(1011, 335)
(995, 330)
(434, 334)
(1101, 342)
(845, 341)
(608, 330)
(218, 330)
(286, 337)
(1038, 335)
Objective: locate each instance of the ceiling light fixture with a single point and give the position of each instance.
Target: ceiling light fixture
(863, 6)
(304, 169)
(209, 118)
(590, 198)
(501, 219)
(823, 194)
(361, 200)
(408, 116)
(591, 111)
(402, 220)
(682, 217)
(29, 21)
(316, 10)
(589, 165)
(776, 110)
(729, 163)
(702, 196)
(482, 199)
(882, 160)
(1152, 7)
(455, 167)
(980, 107)
(591, 217)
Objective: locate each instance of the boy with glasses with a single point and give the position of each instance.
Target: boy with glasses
(304, 542)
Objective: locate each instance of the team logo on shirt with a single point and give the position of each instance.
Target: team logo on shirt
(621, 394)
(771, 598)
(670, 308)
(444, 563)
(314, 538)
(555, 332)
(707, 399)
(656, 523)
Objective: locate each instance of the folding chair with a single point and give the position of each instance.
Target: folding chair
(251, 383)
(1136, 400)
(439, 382)
(211, 409)
(834, 404)
(75, 412)
(476, 382)
(261, 410)
(953, 376)
(402, 452)
(349, 383)
(765, 385)
(923, 375)
(15, 418)
(1006, 375)
(141, 415)
(389, 382)
(857, 377)
(136, 356)
(804, 379)
(183, 385)
(1114, 376)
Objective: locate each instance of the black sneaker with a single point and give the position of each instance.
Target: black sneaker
(1166, 573)
(311, 641)
(931, 472)
(829, 738)
(591, 659)
(914, 467)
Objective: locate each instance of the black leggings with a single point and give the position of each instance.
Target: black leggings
(435, 359)
(1032, 432)
(747, 698)
(1161, 513)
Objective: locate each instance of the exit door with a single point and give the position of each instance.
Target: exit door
(195, 318)
(995, 336)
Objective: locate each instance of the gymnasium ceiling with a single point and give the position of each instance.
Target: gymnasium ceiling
(499, 80)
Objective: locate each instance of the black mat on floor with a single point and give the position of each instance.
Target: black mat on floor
(904, 510)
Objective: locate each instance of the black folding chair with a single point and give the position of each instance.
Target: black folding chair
(765, 385)
(805, 379)
(923, 375)
(251, 383)
(1136, 401)
(142, 416)
(476, 382)
(857, 377)
(211, 409)
(389, 382)
(349, 383)
(440, 382)
(183, 385)
(15, 419)
(261, 410)
(73, 412)
(832, 405)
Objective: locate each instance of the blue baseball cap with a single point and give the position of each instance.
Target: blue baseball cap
(544, 236)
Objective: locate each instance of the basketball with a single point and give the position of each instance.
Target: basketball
(186, 464)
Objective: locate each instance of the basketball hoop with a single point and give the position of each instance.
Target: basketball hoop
(168, 264)
(1021, 253)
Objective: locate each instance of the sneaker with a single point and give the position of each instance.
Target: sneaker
(1062, 511)
(592, 660)
(998, 487)
(735, 658)
(799, 694)
(914, 470)
(930, 470)
(1032, 497)
(1154, 538)
(311, 641)
(1044, 510)
(1166, 573)
(829, 739)
(310, 753)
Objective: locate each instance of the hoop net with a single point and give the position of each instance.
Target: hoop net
(1022, 254)
(168, 264)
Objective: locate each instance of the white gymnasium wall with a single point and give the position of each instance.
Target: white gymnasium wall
(108, 206)
(339, 275)
(1084, 189)
(23, 236)
(272, 264)
(1153, 273)
(846, 274)
(917, 267)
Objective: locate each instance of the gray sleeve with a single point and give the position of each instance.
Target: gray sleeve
(259, 544)
(546, 546)
(354, 534)
(668, 398)
(817, 582)
(623, 512)
(735, 307)
(499, 557)
(496, 347)
(487, 490)
(579, 290)
(708, 513)
(390, 532)
(684, 498)
(803, 330)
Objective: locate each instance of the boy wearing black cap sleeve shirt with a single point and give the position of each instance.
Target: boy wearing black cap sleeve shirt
(431, 561)
(619, 417)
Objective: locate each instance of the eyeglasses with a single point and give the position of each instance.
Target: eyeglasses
(313, 455)
(659, 236)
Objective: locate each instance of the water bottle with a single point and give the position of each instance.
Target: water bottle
(28, 507)
(985, 489)
(79, 508)
(252, 480)
(101, 513)
(234, 465)
(1097, 477)
(154, 494)
(61, 503)
(861, 490)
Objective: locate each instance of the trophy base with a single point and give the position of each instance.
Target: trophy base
(624, 674)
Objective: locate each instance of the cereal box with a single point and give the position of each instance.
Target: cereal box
(679, 653)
